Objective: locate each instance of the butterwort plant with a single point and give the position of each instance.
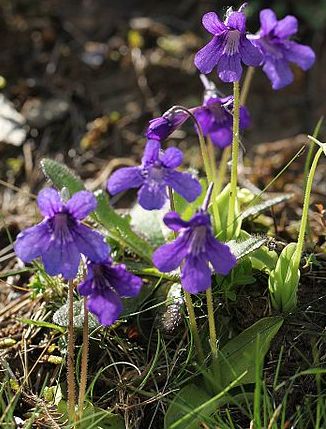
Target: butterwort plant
(193, 250)
(104, 286)
(229, 47)
(61, 237)
(278, 51)
(60, 240)
(215, 117)
(156, 173)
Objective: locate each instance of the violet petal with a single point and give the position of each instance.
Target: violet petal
(172, 157)
(229, 68)
(278, 72)
(196, 275)
(90, 243)
(250, 54)
(152, 196)
(106, 306)
(184, 184)
(49, 202)
(61, 257)
(268, 21)
(31, 242)
(123, 179)
(151, 152)
(169, 256)
(213, 24)
(220, 256)
(286, 27)
(208, 56)
(301, 55)
(174, 221)
(124, 282)
(81, 204)
(222, 137)
(237, 20)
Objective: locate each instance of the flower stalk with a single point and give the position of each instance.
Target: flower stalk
(71, 354)
(84, 362)
(235, 156)
(305, 210)
(209, 294)
(189, 304)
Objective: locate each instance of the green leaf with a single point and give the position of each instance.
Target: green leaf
(240, 249)
(262, 258)
(41, 324)
(240, 275)
(222, 204)
(61, 176)
(94, 417)
(258, 208)
(119, 229)
(149, 224)
(189, 398)
(185, 209)
(194, 405)
(240, 355)
(284, 280)
(60, 317)
(235, 365)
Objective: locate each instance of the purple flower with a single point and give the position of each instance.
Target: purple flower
(156, 172)
(278, 51)
(160, 128)
(228, 47)
(61, 237)
(216, 119)
(104, 286)
(196, 246)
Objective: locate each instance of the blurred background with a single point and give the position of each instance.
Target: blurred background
(80, 80)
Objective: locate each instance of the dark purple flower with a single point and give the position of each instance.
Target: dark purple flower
(216, 119)
(228, 47)
(61, 237)
(156, 172)
(196, 246)
(104, 286)
(278, 51)
(160, 128)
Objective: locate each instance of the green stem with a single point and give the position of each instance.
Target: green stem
(211, 321)
(311, 151)
(71, 355)
(235, 156)
(307, 167)
(193, 326)
(189, 304)
(305, 210)
(222, 169)
(84, 363)
(213, 178)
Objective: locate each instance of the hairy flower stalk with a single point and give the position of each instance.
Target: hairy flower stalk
(84, 362)
(209, 294)
(234, 165)
(194, 249)
(189, 304)
(71, 355)
(305, 210)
